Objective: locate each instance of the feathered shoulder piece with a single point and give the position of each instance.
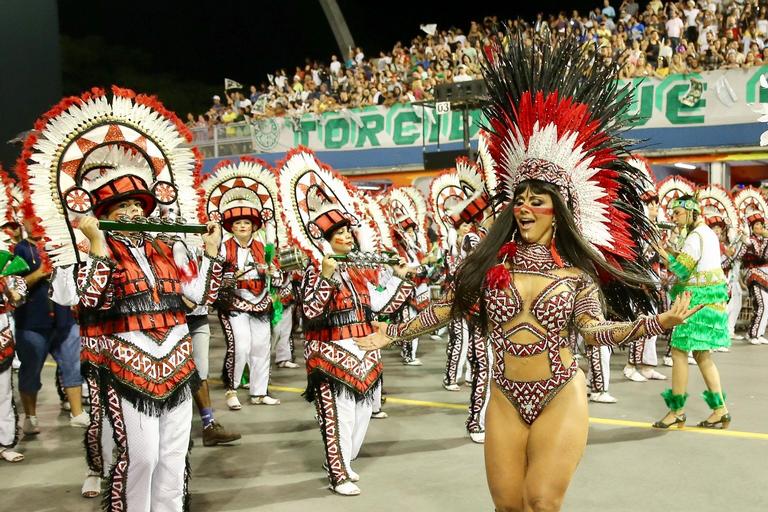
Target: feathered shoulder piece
(374, 232)
(315, 200)
(717, 206)
(245, 189)
(672, 188)
(751, 205)
(555, 115)
(92, 149)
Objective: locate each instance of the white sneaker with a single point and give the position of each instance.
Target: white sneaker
(435, 337)
(346, 489)
(264, 400)
(692, 361)
(763, 340)
(477, 437)
(413, 362)
(651, 374)
(353, 475)
(737, 337)
(91, 486)
(667, 360)
(722, 349)
(65, 406)
(603, 398)
(287, 364)
(232, 402)
(451, 387)
(754, 341)
(379, 415)
(635, 376)
(81, 420)
(30, 427)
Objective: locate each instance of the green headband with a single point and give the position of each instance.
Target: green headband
(689, 204)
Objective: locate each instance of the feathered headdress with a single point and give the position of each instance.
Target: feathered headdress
(471, 180)
(555, 115)
(751, 205)
(373, 234)
(648, 184)
(489, 169)
(5, 238)
(316, 200)
(717, 207)
(671, 189)
(13, 199)
(445, 193)
(89, 151)
(407, 209)
(246, 189)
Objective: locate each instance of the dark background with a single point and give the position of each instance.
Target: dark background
(182, 51)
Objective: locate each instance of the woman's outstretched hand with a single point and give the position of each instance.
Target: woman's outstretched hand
(376, 340)
(679, 312)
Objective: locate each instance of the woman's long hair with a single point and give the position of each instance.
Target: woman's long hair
(626, 293)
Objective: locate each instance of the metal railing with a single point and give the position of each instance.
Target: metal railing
(226, 139)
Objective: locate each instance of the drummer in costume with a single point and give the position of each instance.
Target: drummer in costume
(339, 302)
(12, 292)
(753, 209)
(244, 197)
(123, 157)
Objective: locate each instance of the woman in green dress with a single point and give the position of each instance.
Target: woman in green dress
(698, 271)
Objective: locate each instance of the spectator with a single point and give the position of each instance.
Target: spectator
(630, 7)
(335, 66)
(608, 11)
(462, 76)
(674, 28)
(691, 14)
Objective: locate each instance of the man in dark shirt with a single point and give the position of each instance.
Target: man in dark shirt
(44, 327)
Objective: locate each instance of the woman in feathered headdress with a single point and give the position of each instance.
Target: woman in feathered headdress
(696, 265)
(569, 237)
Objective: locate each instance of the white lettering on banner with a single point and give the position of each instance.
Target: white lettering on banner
(712, 98)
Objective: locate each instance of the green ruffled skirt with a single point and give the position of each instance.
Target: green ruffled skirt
(707, 329)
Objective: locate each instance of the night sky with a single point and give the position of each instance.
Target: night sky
(182, 52)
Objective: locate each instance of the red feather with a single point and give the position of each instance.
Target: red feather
(507, 251)
(498, 278)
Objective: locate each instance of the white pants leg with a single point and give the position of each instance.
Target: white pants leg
(157, 452)
(464, 365)
(605, 359)
(7, 412)
(260, 349)
(241, 331)
(354, 417)
(200, 331)
(734, 306)
(376, 405)
(281, 336)
(649, 352)
(170, 475)
(363, 411)
(764, 319)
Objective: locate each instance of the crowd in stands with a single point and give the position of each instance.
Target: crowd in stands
(652, 40)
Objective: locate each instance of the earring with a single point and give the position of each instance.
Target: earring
(553, 248)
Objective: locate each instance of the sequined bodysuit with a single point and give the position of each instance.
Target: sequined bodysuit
(534, 316)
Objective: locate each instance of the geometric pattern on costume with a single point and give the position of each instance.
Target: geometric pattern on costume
(480, 359)
(328, 418)
(456, 351)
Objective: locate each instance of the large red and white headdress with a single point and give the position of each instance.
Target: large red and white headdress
(489, 168)
(90, 151)
(751, 205)
(717, 207)
(554, 116)
(374, 232)
(649, 185)
(316, 201)
(672, 188)
(445, 194)
(13, 199)
(246, 189)
(471, 180)
(408, 209)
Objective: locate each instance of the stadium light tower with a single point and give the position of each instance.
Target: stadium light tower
(339, 26)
